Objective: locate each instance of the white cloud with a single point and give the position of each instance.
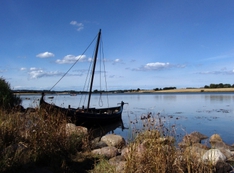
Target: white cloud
(156, 65)
(79, 26)
(222, 72)
(33, 68)
(22, 69)
(116, 61)
(36, 73)
(45, 55)
(69, 59)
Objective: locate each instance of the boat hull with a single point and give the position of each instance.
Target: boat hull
(87, 117)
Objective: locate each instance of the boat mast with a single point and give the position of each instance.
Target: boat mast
(93, 70)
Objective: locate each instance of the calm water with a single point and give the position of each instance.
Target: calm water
(207, 113)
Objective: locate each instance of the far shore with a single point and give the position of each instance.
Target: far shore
(185, 90)
(181, 90)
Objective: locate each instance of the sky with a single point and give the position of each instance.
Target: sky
(147, 44)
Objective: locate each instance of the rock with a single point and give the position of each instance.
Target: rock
(114, 140)
(194, 152)
(194, 137)
(220, 145)
(227, 153)
(213, 156)
(115, 159)
(222, 167)
(199, 135)
(183, 145)
(189, 140)
(124, 152)
(96, 143)
(119, 163)
(136, 148)
(107, 152)
(120, 167)
(215, 137)
(77, 130)
(201, 146)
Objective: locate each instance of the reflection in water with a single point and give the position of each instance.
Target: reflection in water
(103, 130)
(218, 98)
(207, 113)
(169, 97)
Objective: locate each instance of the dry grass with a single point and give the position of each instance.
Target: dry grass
(103, 166)
(154, 150)
(33, 140)
(38, 139)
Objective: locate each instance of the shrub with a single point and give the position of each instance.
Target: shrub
(7, 97)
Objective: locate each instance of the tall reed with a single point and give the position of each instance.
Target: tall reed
(154, 149)
(36, 139)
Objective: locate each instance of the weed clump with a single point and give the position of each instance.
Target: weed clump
(34, 140)
(155, 150)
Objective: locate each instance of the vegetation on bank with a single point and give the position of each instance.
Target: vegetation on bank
(7, 97)
(220, 85)
(35, 140)
(38, 140)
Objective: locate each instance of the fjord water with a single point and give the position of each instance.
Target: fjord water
(207, 113)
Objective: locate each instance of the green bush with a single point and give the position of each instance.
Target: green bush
(7, 97)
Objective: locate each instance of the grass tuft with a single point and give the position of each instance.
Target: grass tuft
(36, 139)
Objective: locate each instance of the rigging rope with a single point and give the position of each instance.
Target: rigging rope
(104, 68)
(101, 53)
(73, 64)
(100, 79)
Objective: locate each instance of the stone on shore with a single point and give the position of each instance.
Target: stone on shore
(114, 140)
(107, 152)
(213, 156)
(194, 151)
(119, 163)
(77, 130)
(194, 137)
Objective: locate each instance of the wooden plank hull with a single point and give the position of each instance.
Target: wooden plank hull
(90, 117)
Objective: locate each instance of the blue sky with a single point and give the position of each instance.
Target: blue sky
(147, 43)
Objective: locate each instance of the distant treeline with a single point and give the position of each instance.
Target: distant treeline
(220, 85)
(165, 88)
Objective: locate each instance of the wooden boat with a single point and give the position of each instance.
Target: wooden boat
(89, 116)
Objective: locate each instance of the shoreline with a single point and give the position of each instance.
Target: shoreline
(182, 90)
(192, 90)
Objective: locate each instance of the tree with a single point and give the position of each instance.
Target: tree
(7, 97)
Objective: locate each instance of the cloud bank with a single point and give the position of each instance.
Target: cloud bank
(36, 73)
(69, 59)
